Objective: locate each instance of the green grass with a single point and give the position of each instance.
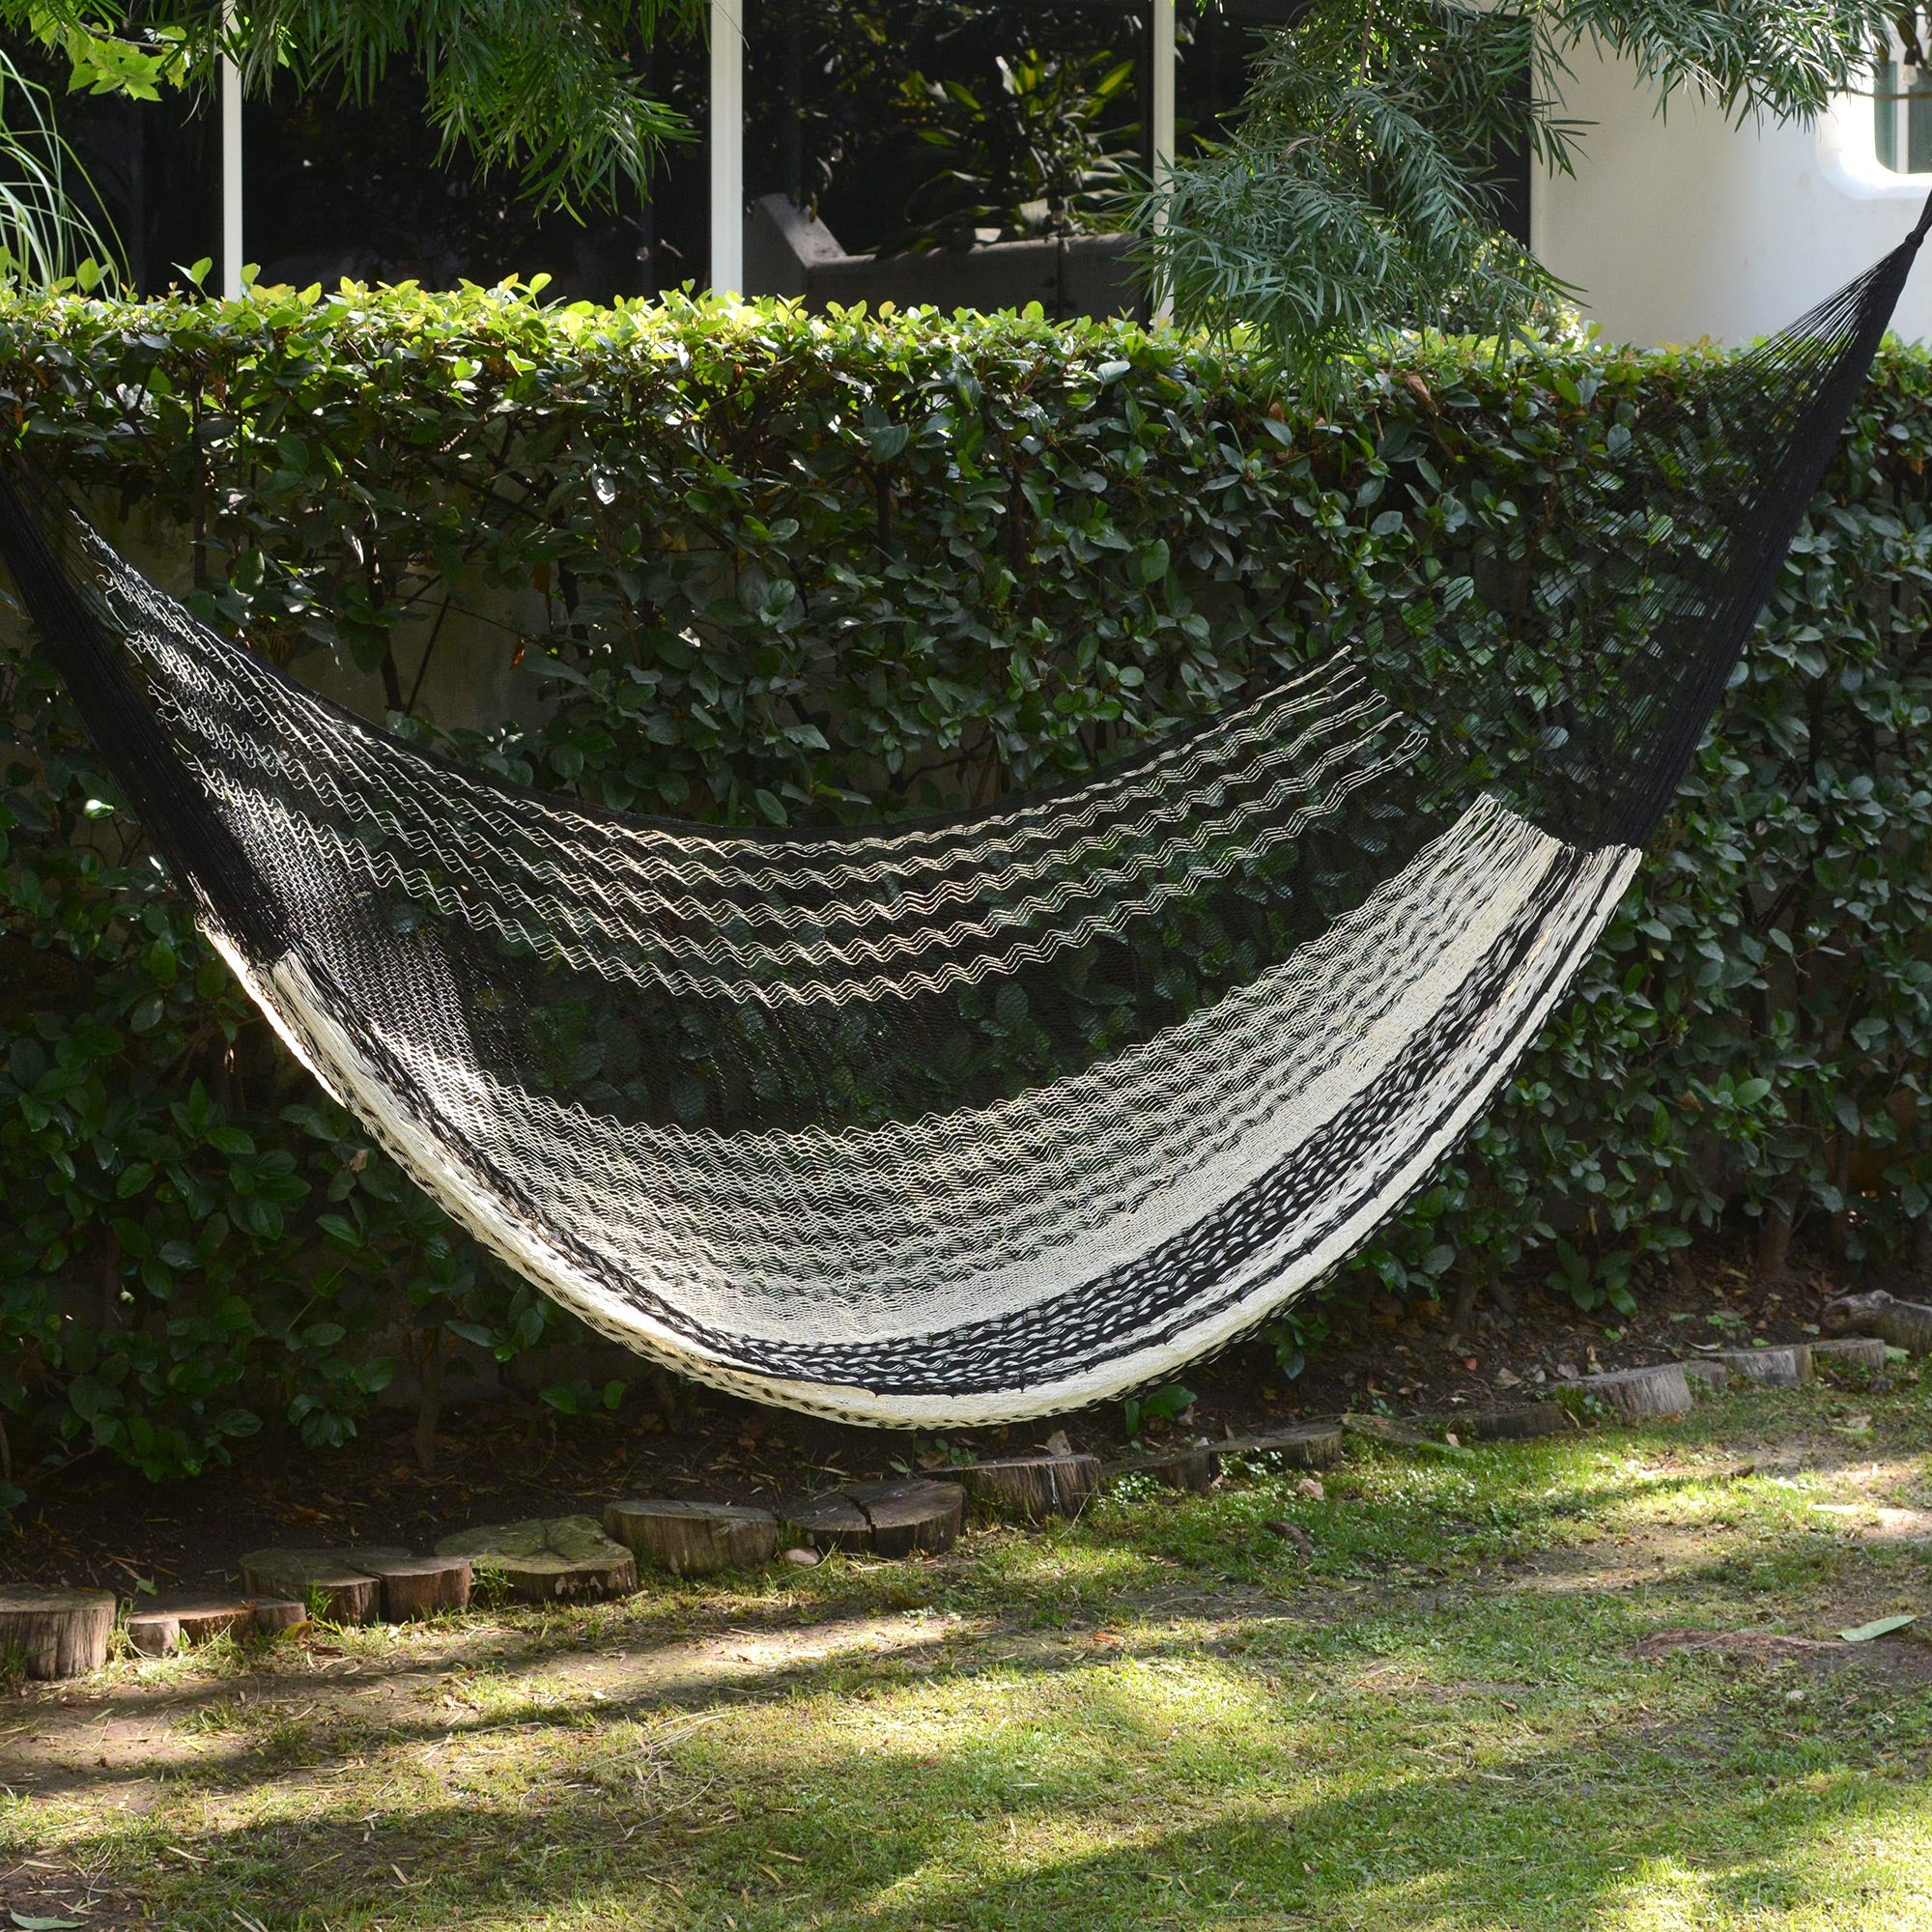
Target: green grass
(1162, 1717)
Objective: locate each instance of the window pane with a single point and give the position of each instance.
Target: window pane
(1918, 126)
(1884, 115)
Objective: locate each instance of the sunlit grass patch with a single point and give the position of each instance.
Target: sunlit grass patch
(1430, 1712)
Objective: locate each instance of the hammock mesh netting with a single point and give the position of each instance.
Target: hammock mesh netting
(962, 1121)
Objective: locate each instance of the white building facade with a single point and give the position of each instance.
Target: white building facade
(1682, 225)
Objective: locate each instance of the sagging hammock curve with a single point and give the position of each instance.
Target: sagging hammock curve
(962, 1121)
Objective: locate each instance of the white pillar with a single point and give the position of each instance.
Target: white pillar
(1165, 74)
(231, 175)
(728, 146)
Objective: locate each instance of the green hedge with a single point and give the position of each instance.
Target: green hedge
(824, 568)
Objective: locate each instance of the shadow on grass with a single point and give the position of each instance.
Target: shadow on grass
(1311, 1748)
(1163, 1788)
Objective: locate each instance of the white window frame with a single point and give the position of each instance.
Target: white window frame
(1905, 81)
(1848, 142)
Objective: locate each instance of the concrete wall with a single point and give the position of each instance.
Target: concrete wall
(1683, 226)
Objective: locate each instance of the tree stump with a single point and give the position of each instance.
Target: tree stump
(1526, 1423)
(154, 1633)
(547, 1559)
(1850, 1352)
(202, 1619)
(911, 1516)
(1712, 1374)
(694, 1539)
(1307, 1445)
(413, 1587)
(1399, 1436)
(173, 1623)
(337, 1580)
(53, 1633)
(1192, 1469)
(1639, 1395)
(1034, 1487)
(828, 1522)
(1783, 1367)
(1905, 1325)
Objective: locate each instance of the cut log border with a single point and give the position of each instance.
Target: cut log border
(54, 1633)
(1850, 1352)
(1307, 1445)
(1194, 1471)
(328, 1580)
(1033, 1487)
(825, 1522)
(911, 1516)
(415, 1587)
(1395, 1435)
(544, 1560)
(1783, 1365)
(1638, 1395)
(1523, 1424)
(1904, 1324)
(693, 1539)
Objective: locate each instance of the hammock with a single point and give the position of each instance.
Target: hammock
(962, 1121)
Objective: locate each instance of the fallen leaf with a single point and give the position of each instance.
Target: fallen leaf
(26, 1925)
(1056, 1443)
(1883, 1628)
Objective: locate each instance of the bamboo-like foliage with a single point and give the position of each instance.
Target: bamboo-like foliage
(1359, 194)
(46, 233)
(548, 88)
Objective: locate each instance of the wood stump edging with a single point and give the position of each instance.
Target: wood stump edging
(827, 1522)
(912, 1516)
(693, 1539)
(415, 1587)
(1785, 1365)
(54, 1633)
(1033, 1487)
(338, 1582)
(1306, 1445)
(1904, 1324)
(1638, 1395)
(544, 1559)
(1856, 1352)
(1526, 1422)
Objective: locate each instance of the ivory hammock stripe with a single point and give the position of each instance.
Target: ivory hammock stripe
(962, 1121)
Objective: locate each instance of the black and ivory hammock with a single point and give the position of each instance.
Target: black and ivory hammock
(963, 1121)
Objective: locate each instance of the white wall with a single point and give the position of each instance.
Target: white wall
(1682, 227)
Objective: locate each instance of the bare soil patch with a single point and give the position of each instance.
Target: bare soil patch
(99, 1522)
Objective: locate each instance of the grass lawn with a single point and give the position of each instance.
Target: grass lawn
(1444, 1715)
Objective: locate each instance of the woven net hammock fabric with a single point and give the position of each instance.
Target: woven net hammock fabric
(962, 1121)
